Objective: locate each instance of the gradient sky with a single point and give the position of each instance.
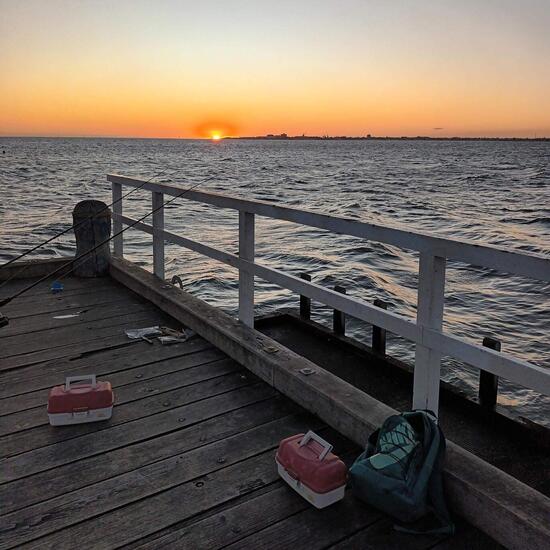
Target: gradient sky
(170, 68)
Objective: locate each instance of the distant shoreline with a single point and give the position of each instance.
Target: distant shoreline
(386, 138)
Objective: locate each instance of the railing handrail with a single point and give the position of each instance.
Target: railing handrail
(527, 264)
(427, 332)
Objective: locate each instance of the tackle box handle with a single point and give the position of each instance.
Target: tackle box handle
(327, 447)
(72, 379)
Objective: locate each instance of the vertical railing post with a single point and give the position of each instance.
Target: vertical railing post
(246, 279)
(305, 302)
(379, 334)
(431, 298)
(488, 382)
(339, 317)
(118, 242)
(158, 239)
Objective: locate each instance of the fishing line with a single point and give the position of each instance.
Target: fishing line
(93, 249)
(81, 221)
(72, 227)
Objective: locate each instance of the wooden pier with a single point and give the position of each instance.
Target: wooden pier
(187, 460)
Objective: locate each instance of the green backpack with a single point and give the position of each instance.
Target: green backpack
(400, 473)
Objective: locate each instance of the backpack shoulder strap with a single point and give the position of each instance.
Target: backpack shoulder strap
(436, 495)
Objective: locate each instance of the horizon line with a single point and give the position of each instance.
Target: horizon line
(278, 137)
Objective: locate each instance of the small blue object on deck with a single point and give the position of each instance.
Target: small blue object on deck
(56, 287)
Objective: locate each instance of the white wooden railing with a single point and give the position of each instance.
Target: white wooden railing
(426, 332)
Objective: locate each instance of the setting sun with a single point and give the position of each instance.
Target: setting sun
(216, 136)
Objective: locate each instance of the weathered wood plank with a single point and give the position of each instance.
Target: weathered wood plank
(382, 535)
(312, 528)
(227, 524)
(83, 340)
(201, 370)
(43, 518)
(172, 506)
(469, 537)
(256, 511)
(45, 458)
(48, 441)
(72, 284)
(218, 418)
(136, 353)
(39, 323)
(35, 305)
(234, 523)
(179, 356)
(72, 350)
(46, 340)
(219, 509)
(35, 268)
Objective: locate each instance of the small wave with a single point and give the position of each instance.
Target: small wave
(525, 210)
(476, 177)
(505, 166)
(544, 220)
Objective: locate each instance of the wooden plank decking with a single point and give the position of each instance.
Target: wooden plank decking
(187, 461)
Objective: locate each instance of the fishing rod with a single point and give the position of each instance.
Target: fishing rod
(72, 227)
(93, 249)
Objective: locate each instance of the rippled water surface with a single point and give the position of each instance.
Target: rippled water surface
(486, 191)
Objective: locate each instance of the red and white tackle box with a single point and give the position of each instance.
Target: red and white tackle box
(307, 464)
(81, 399)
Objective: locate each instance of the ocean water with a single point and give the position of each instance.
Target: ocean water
(486, 191)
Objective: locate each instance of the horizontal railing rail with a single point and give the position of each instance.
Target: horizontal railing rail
(534, 266)
(426, 332)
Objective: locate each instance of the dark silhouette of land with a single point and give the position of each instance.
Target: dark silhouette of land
(370, 137)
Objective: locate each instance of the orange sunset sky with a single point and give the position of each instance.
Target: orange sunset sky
(190, 69)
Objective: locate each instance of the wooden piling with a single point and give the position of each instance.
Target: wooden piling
(92, 226)
(339, 317)
(488, 382)
(305, 302)
(378, 333)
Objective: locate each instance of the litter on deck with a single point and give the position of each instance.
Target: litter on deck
(171, 336)
(56, 287)
(139, 333)
(307, 464)
(68, 316)
(81, 399)
(165, 335)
